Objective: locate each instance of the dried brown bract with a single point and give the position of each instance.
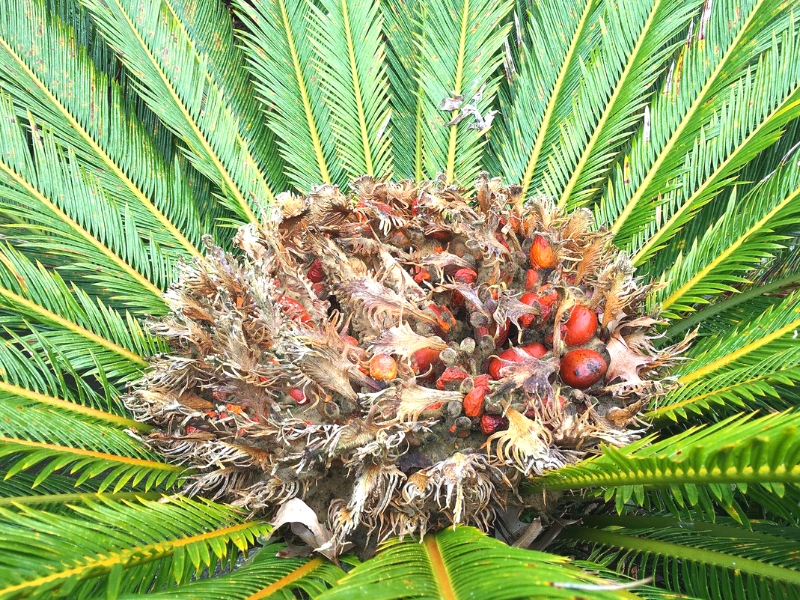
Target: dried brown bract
(394, 358)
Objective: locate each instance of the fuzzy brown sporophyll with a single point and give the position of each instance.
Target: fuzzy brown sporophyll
(401, 358)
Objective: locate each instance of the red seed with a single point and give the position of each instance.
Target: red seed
(451, 378)
(505, 357)
(530, 299)
(531, 279)
(382, 367)
(580, 327)
(423, 358)
(536, 350)
(294, 309)
(465, 275)
(491, 423)
(473, 402)
(541, 253)
(501, 333)
(582, 368)
(350, 339)
(315, 273)
(299, 396)
(422, 275)
(481, 381)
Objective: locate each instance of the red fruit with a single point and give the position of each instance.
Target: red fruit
(580, 327)
(582, 368)
(422, 275)
(501, 333)
(505, 357)
(382, 367)
(530, 299)
(491, 423)
(536, 350)
(422, 359)
(299, 396)
(481, 381)
(451, 378)
(541, 254)
(548, 296)
(444, 317)
(294, 309)
(350, 339)
(473, 402)
(315, 273)
(465, 275)
(502, 240)
(457, 300)
(531, 279)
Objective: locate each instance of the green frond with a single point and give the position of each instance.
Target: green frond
(721, 51)
(38, 305)
(22, 486)
(281, 60)
(760, 105)
(538, 96)
(749, 344)
(173, 77)
(703, 559)
(112, 548)
(38, 192)
(86, 111)
(265, 576)
(210, 27)
(456, 563)
(350, 56)
(697, 466)
(460, 49)
(746, 236)
(116, 470)
(636, 40)
(402, 27)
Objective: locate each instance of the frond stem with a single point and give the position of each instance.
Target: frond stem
(298, 573)
(73, 407)
(459, 82)
(440, 574)
(536, 151)
(362, 120)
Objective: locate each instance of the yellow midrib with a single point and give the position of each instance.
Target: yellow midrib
(677, 294)
(128, 558)
(362, 121)
(440, 574)
(598, 130)
(459, 82)
(137, 193)
(288, 579)
(536, 151)
(642, 254)
(226, 176)
(699, 101)
(141, 279)
(72, 407)
(726, 360)
(301, 84)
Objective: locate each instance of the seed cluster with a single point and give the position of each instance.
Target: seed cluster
(400, 358)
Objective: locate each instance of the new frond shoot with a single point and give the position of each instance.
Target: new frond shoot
(400, 359)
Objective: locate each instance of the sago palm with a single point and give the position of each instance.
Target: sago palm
(412, 298)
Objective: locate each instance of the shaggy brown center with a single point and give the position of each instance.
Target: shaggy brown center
(400, 358)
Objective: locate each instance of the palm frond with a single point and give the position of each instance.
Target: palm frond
(402, 27)
(538, 97)
(455, 564)
(637, 38)
(109, 548)
(172, 76)
(744, 237)
(350, 56)
(280, 57)
(38, 305)
(265, 576)
(86, 111)
(460, 50)
(717, 59)
(697, 466)
(692, 556)
(40, 189)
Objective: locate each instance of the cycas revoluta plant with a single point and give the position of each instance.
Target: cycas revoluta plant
(416, 305)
